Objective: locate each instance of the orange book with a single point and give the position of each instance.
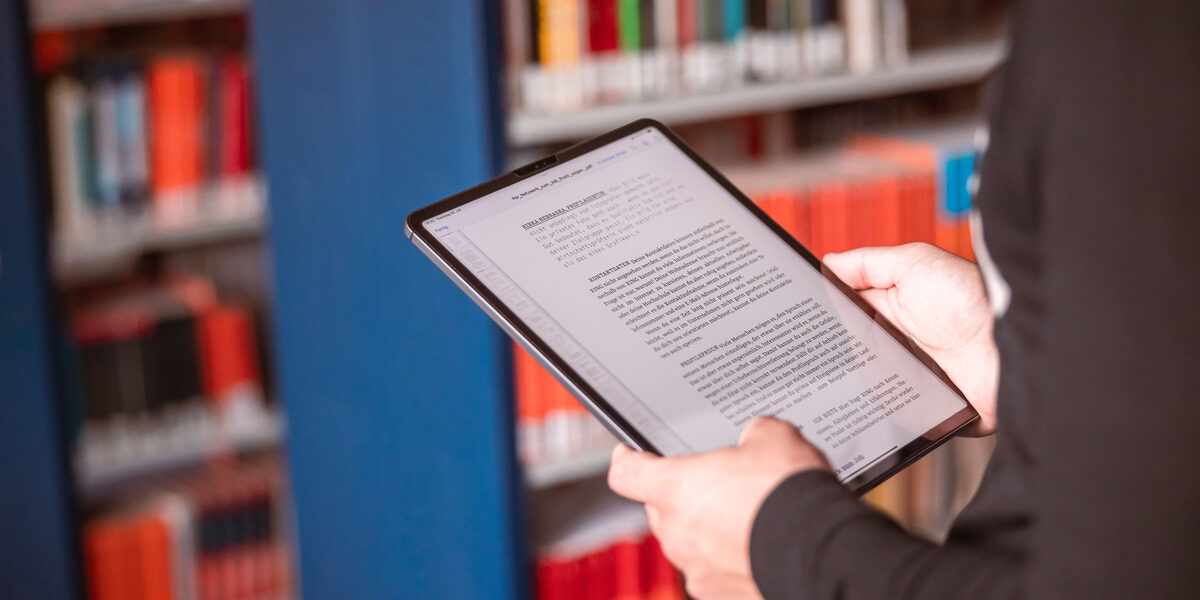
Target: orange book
(782, 208)
(889, 211)
(524, 379)
(531, 405)
(175, 95)
(860, 218)
(104, 545)
(830, 223)
(796, 198)
(945, 234)
(153, 551)
(558, 32)
(965, 244)
(919, 205)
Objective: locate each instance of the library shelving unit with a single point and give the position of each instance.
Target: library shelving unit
(64, 14)
(940, 67)
(397, 390)
(56, 477)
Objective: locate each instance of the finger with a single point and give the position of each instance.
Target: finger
(767, 430)
(880, 300)
(873, 267)
(639, 476)
(652, 518)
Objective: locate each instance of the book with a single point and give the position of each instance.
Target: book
(160, 364)
(551, 425)
(152, 143)
(207, 535)
(175, 86)
(589, 543)
(674, 48)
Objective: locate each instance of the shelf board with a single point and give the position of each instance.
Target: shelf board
(73, 14)
(557, 472)
(96, 480)
(78, 258)
(925, 70)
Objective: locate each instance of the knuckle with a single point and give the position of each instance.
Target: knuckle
(695, 588)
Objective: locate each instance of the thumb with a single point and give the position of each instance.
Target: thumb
(874, 267)
(639, 476)
(768, 430)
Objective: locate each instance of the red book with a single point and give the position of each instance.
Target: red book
(686, 29)
(663, 582)
(229, 350)
(599, 575)
(628, 581)
(602, 25)
(550, 580)
(234, 129)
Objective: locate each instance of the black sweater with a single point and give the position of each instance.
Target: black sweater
(1089, 199)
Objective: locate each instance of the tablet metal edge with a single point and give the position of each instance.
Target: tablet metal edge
(520, 338)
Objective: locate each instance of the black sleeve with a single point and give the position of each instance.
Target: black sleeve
(1091, 203)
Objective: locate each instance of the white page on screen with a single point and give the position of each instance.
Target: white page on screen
(686, 312)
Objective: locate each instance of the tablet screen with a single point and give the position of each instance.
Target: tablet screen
(686, 312)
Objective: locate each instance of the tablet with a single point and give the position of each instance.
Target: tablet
(676, 311)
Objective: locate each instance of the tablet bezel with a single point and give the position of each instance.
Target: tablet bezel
(871, 474)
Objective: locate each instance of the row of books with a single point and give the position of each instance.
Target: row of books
(159, 138)
(592, 544)
(214, 535)
(629, 569)
(877, 190)
(151, 365)
(564, 55)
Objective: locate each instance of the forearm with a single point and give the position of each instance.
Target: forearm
(812, 539)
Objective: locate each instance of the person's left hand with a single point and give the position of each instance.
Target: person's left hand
(702, 506)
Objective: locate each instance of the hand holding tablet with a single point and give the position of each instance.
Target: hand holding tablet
(677, 311)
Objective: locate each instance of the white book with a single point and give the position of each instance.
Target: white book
(863, 47)
(66, 111)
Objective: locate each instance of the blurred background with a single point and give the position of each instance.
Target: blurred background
(226, 374)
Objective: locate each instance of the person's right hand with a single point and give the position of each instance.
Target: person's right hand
(937, 299)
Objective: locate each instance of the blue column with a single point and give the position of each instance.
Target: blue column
(37, 542)
(396, 388)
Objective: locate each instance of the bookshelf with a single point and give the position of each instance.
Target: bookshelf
(558, 472)
(69, 14)
(79, 258)
(940, 67)
(399, 410)
(102, 471)
(157, 404)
